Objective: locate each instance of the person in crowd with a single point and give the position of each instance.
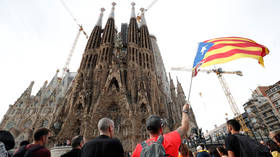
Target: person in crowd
(190, 154)
(7, 142)
(272, 135)
(201, 152)
(37, 148)
(183, 150)
(222, 151)
(68, 142)
(23, 143)
(104, 145)
(77, 144)
(172, 140)
(277, 139)
(213, 152)
(274, 148)
(231, 142)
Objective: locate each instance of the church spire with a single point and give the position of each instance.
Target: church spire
(109, 31)
(133, 28)
(99, 21)
(145, 41)
(94, 39)
(29, 89)
(179, 88)
(133, 10)
(143, 20)
(112, 14)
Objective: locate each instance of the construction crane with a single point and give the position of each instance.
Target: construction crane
(226, 90)
(139, 15)
(66, 65)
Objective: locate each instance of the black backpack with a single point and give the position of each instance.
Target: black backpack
(24, 152)
(251, 148)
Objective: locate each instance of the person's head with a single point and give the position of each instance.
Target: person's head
(183, 149)
(42, 135)
(233, 126)
(106, 127)
(262, 142)
(23, 143)
(77, 142)
(272, 146)
(272, 134)
(154, 125)
(222, 151)
(199, 148)
(7, 138)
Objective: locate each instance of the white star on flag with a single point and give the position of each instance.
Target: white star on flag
(203, 49)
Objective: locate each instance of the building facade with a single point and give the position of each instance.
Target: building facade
(30, 112)
(262, 111)
(122, 77)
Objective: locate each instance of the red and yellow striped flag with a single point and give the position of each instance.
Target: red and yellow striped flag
(222, 50)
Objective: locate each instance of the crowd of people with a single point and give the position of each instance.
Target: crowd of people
(158, 144)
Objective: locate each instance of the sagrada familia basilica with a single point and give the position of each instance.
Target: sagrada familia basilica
(121, 76)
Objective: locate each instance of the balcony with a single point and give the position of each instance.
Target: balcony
(263, 110)
(268, 116)
(274, 96)
(273, 122)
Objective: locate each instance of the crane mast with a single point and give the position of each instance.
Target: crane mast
(66, 65)
(226, 90)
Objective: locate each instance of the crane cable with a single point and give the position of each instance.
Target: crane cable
(73, 17)
(139, 16)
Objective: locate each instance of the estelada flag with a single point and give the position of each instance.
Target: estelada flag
(222, 50)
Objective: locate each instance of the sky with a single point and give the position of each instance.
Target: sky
(36, 37)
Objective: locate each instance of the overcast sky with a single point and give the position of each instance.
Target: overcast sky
(36, 37)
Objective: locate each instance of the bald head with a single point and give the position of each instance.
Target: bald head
(104, 124)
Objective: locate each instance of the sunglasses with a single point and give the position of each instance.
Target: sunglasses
(50, 137)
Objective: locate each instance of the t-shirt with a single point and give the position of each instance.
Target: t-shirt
(232, 144)
(171, 143)
(72, 153)
(42, 152)
(103, 146)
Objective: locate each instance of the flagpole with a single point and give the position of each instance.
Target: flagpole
(190, 88)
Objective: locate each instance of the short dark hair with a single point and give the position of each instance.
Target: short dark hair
(235, 124)
(24, 143)
(76, 141)
(8, 139)
(40, 133)
(154, 124)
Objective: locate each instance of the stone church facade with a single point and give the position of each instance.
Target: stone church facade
(121, 76)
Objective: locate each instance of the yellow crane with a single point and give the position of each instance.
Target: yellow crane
(226, 90)
(66, 65)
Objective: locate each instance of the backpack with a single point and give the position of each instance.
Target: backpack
(251, 148)
(153, 149)
(24, 152)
